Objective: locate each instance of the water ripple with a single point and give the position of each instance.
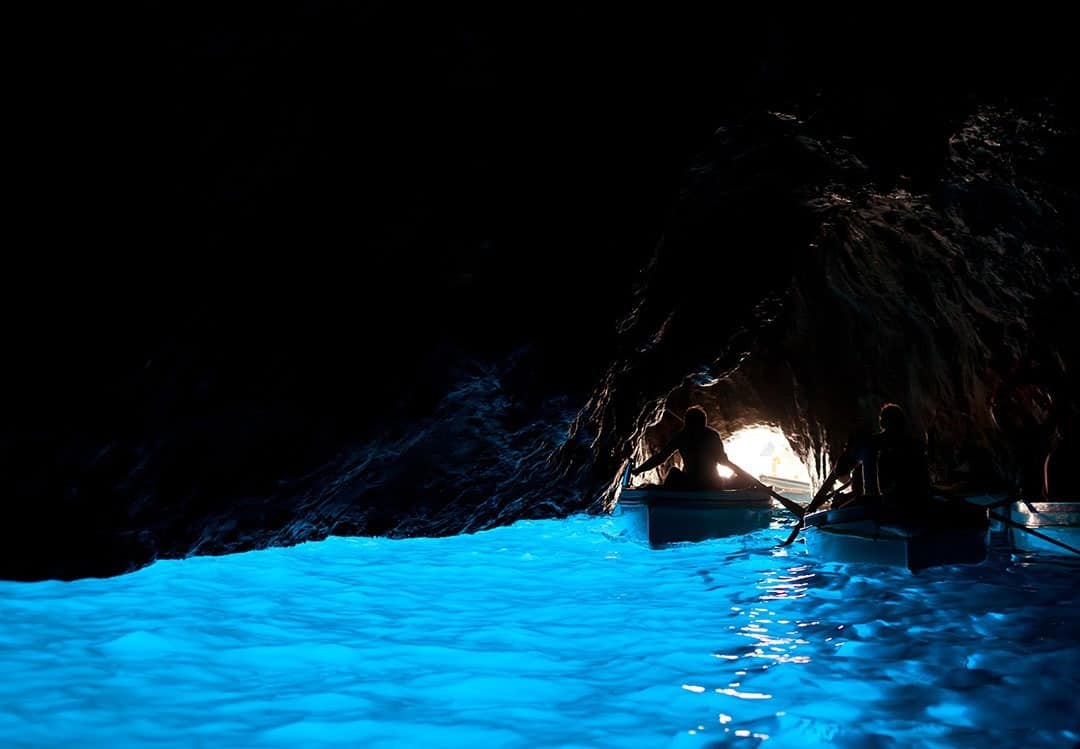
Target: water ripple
(552, 633)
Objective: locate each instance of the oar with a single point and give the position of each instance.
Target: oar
(791, 506)
(824, 494)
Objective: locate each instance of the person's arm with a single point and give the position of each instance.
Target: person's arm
(659, 458)
(846, 463)
(720, 456)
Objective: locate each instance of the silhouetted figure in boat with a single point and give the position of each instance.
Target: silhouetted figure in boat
(1061, 482)
(700, 448)
(890, 464)
(1024, 409)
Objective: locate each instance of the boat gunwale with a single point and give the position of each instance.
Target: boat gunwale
(878, 533)
(1046, 514)
(712, 499)
(830, 520)
(1052, 507)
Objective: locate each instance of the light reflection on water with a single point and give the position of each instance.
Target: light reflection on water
(553, 633)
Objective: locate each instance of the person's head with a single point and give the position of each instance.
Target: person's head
(892, 418)
(695, 417)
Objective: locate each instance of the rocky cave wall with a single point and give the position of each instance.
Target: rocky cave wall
(789, 289)
(852, 296)
(361, 273)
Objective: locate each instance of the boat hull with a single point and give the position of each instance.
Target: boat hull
(1058, 520)
(664, 517)
(868, 535)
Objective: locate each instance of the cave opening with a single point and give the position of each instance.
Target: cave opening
(765, 452)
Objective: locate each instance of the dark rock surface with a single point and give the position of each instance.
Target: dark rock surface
(852, 296)
(356, 272)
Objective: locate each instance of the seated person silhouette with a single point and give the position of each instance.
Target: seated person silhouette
(1061, 482)
(700, 448)
(889, 466)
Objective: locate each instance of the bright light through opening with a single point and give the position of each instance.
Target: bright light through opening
(764, 452)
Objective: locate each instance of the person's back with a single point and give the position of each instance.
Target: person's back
(700, 448)
(890, 464)
(902, 470)
(1061, 483)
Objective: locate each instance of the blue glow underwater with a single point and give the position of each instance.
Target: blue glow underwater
(547, 633)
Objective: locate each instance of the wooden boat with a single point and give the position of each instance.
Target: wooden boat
(664, 516)
(942, 533)
(1058, 520)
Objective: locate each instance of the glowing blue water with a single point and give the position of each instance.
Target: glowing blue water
(555, 633)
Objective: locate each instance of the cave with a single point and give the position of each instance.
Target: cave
(828, 333)
(331, 331)
(792, 285)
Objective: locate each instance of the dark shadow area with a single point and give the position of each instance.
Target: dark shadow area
(354, 268)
